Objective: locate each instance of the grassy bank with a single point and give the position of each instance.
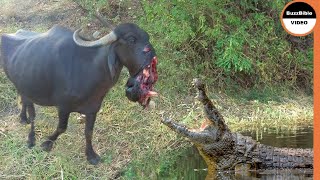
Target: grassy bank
(127, 137)
(132, 142)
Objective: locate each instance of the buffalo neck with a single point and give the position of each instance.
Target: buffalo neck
(112, 63)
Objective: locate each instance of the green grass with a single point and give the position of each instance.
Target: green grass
(127, 137)
(8, 93)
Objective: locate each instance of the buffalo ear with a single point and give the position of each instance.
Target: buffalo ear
(113, 63)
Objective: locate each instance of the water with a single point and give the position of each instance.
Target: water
(190, 166)
(301, 138)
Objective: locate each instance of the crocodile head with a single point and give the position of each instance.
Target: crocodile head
(224, 150)
(213, 138)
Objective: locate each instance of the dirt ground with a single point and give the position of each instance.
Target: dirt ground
(29, 14)
(40, 15)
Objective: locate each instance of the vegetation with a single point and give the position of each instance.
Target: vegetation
(259, 77)
(233, 42)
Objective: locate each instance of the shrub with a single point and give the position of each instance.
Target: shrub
(241, 42)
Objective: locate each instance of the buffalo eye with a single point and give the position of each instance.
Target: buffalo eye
(131, 40)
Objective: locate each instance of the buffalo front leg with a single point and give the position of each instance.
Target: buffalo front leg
(61, 128)
(92, 156)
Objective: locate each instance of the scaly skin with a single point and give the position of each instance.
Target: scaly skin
(224, 150)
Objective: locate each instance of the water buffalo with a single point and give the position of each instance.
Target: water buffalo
(60, 68)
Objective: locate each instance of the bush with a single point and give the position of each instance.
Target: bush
(239, 42)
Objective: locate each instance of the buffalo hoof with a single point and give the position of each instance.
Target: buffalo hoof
(24, 121)
(31, 143)
(47, 145)
(82, 118)
(31, 140)
(94, 159)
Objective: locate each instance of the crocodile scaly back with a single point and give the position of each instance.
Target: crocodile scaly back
(224, 150)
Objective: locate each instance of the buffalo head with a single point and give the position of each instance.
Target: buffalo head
(130, 46)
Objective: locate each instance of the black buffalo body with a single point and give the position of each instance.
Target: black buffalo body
(58, 68)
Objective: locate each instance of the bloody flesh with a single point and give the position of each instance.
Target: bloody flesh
(147, 79)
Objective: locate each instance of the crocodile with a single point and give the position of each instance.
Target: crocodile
(223, 150)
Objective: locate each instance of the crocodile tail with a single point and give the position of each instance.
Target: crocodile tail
(267, 157)
(274, 157)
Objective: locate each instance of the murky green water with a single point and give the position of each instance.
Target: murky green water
(301, 138)
(190, 166)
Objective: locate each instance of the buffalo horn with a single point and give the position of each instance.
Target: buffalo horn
(107, 39)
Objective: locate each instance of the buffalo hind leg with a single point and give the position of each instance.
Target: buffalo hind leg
(23, 114)
(32, 134)
(27, 105)
(61, 128)
(92, 156)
